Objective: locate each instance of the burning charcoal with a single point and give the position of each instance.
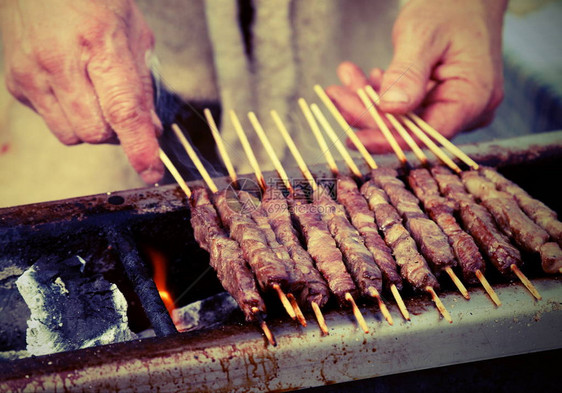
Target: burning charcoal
(207, 313)
(70, 310)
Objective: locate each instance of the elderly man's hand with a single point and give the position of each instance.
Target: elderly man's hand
(447, 66)
(82, 66)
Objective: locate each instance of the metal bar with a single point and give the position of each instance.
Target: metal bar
(122, 241)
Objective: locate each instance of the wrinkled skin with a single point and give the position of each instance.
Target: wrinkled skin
(82, 66)
(447, 66)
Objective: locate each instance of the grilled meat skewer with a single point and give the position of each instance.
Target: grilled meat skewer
(363, 219)
(356, 256)
(538, 211)
(225, 255)
(441, 211)
(267, 267)
(513, 221)
(413, 266)
(251, 207)
(276, 207)
(478, 222)
(432, 242)
(322, 248)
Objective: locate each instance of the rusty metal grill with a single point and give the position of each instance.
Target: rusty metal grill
(236, 357)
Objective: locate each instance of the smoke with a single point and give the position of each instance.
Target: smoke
(171, 108)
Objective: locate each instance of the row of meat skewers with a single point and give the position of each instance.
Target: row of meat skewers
(373, 236)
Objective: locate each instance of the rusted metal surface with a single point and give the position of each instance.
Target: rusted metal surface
(236, 357)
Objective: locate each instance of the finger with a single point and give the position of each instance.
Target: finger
(404, 83)
(454, 106)
(350, 106)
(375, 78)
(79, 103)
(125, 107)
(50, 110)
(39, 97)
(351, 76)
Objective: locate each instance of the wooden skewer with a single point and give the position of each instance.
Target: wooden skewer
(220, 146)
(526, 282)
(384, 310)
(282, 173)
(179, 179)
(270, 150)
(247, 148)
(298, 312)
(286, 303)
(264, 326)
(431, 145)
(444, 141)
(382, 126)
(292, 308)
(488, 288)
(320, 318)
(394, 290)
(419, 133)
(318, 134)
(357, 312)
(347, 158)
(191, 152)
(440, 154)
(175, 174)
(398, 127)
(400, 302)
(335, 140)
(306, 172)
(439, 304)
(345, 154)
(400, 154)
(345, 127)
(458, 282)
(293, 149)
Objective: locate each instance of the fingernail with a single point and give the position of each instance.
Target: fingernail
(151, 176)
(395, 96)
(157, 123)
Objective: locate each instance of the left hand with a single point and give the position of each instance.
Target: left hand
(447, 65)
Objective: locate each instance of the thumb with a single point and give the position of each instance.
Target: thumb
(403, 85)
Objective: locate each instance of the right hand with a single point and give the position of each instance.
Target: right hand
(82, 66)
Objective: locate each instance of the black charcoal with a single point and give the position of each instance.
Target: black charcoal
(71, 310)
(207, 313)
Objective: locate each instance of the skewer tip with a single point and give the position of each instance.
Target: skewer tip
(384, 310)
(320, 318)
(439, 304)
(526, 282)
(297, 309)
(285, 301)
(488, 288)
(357, 312)
(400, 302)
(458, 283)
(263, 325)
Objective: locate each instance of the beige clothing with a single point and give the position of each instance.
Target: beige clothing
(199, 45)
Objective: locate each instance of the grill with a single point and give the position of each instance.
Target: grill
(114, 229)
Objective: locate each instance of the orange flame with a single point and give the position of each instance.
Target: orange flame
(159, 265)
